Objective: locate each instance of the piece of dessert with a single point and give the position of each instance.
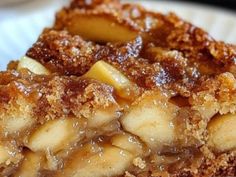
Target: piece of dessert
(113, 89)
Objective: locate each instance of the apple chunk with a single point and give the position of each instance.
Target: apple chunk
(32, 65)
(14, 124)
(100, 28)
(128, 142)
(106, 73)
(55, 135)
(150, 118)
(222, 132)
(30, 166)
(109, 161)
(4, 154)
(103, 116)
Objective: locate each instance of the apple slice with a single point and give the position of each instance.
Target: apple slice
(108, 161)
(100, 28)
(222, 132)
(54, 136)
(106, 73)
(150, 118)
(32, 65)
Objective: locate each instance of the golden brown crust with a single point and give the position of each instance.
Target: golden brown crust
(55, 96)
(196, 44)
(90, 4)
(63, 53)
(218, 93)
(71, 55)
(184, 53)
(170, 32)
(133, 16)
(54, 48)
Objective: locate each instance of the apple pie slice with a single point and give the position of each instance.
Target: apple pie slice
(113, 89)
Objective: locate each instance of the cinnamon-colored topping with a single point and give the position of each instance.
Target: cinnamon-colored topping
(56, 96)
(183, 54)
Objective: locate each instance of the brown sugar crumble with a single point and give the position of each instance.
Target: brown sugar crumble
(130, 93)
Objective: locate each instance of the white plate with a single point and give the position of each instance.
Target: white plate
(20, 26)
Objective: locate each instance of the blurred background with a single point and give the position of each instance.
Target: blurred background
(14, 8)
(230, 4)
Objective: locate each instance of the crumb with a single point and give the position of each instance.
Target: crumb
(127, 174)
(138, 162)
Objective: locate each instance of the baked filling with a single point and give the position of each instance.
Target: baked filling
(113, 89)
